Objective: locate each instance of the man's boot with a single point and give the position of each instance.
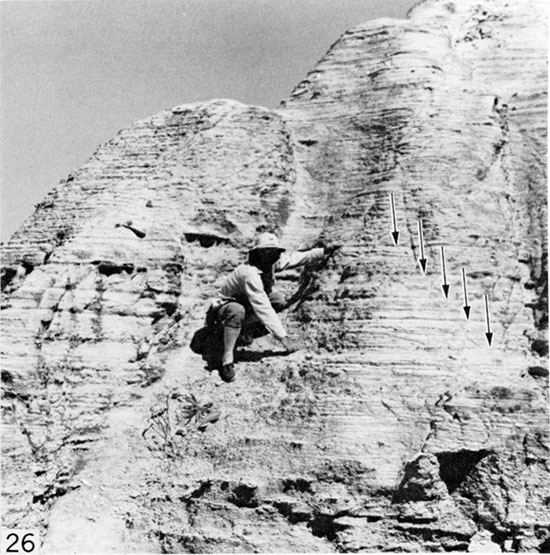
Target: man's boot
(230, 336)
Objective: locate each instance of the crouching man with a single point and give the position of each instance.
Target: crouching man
(247, 306)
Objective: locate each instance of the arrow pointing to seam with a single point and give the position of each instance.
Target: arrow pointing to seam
(488, 334)
(445, 285)
(394, 233)
(422, 259)
(466, 307)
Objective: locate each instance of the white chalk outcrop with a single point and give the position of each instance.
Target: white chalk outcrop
(397, 427)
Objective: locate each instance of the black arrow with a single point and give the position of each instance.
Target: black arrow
(422, 260)
(488, 334)
(466, 307)
(445, 285)
(394, 233)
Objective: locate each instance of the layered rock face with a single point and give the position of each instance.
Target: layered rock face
(396, 427)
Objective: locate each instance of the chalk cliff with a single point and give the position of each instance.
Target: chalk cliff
(397, 427)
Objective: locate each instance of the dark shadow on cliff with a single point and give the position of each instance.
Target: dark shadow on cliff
(256, 356)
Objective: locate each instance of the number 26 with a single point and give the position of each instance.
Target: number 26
(26, 544)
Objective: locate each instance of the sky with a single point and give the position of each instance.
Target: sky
(75, 72)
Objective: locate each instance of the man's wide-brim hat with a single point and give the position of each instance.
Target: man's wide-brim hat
(267, 241)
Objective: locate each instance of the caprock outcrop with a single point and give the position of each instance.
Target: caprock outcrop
(397, 428)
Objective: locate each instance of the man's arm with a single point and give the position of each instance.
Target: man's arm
(261, 305)
(302, 258)
(297, 259)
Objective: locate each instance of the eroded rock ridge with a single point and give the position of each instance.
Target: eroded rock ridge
(397, 427)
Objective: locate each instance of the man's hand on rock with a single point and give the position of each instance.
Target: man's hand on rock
(290, 345)
(331, 248)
